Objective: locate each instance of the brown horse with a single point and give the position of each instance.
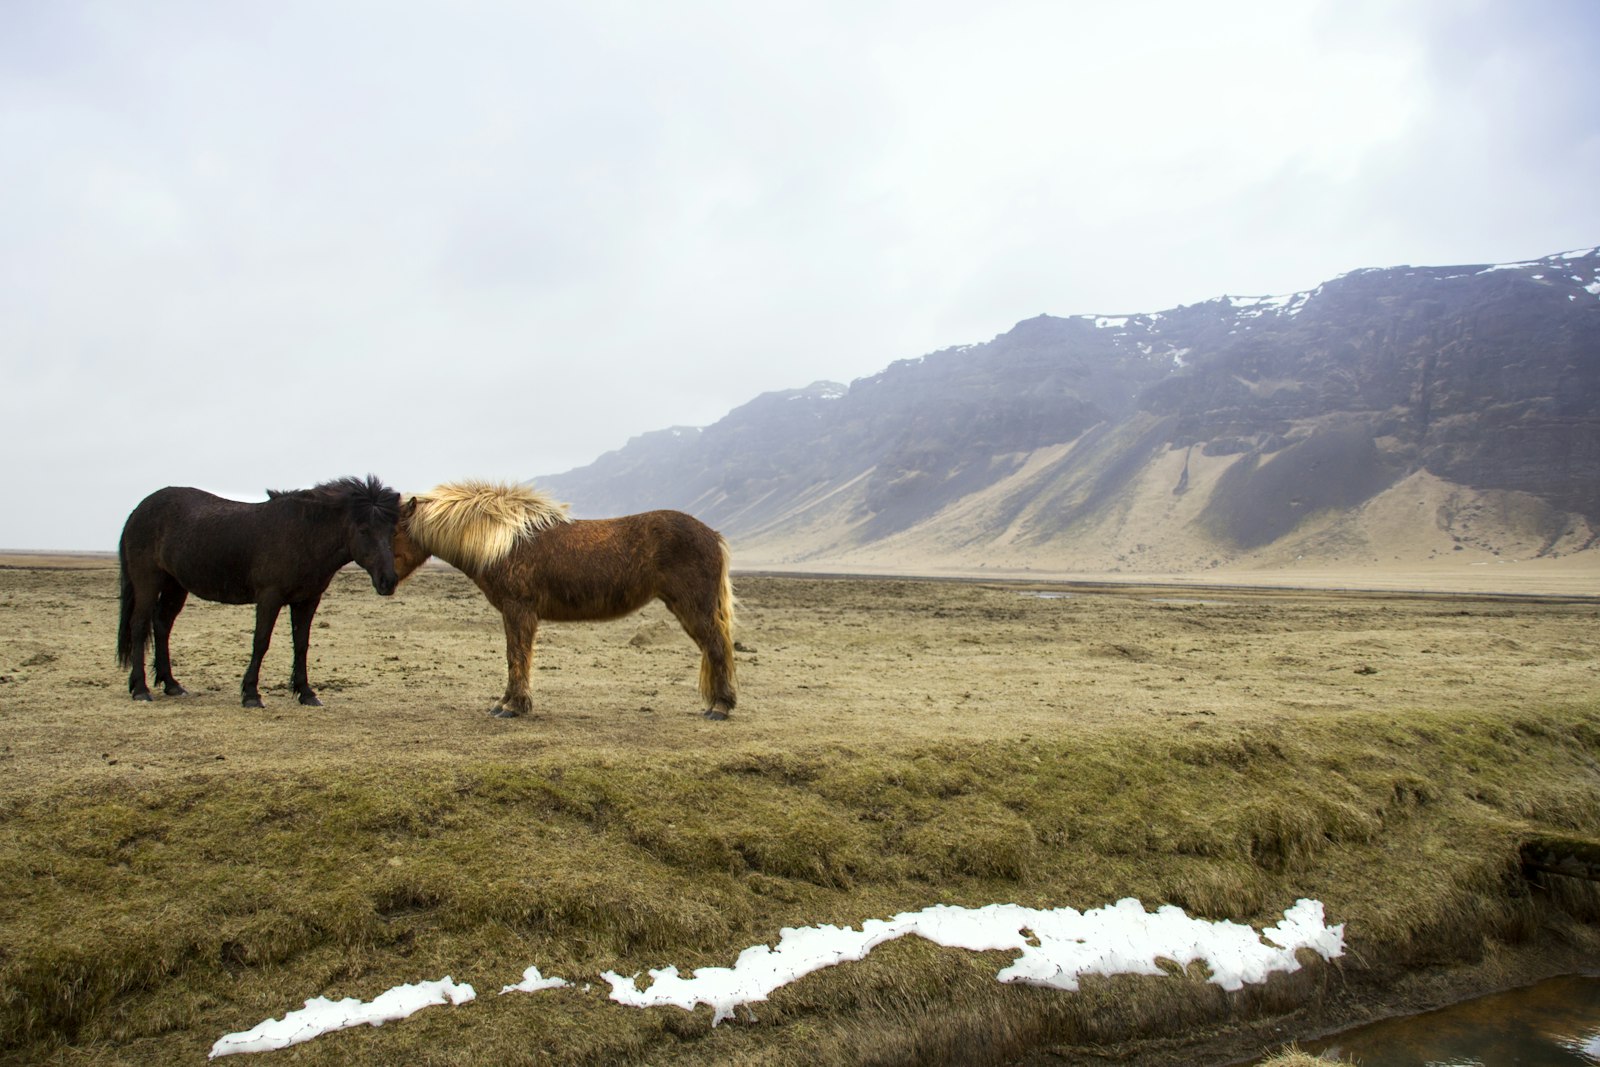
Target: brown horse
(535, 562)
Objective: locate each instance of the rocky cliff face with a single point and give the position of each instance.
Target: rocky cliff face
(1235, 428)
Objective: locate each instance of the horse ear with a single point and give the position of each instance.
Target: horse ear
(408, 509)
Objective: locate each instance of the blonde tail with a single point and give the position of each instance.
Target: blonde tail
(726, 603)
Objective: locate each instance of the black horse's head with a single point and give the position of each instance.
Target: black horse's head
(371, 511)
(375, 512)
(372, 546)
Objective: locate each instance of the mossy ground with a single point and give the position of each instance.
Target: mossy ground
(173, 872)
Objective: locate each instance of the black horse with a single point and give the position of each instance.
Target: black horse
(282, 551)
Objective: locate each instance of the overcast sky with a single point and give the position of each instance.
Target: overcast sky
(266, 244)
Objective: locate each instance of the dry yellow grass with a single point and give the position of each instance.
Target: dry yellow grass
(176, 871)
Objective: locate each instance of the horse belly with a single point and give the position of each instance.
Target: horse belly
(223, 577)
(223, 588)
(591, 609)
(561, 595)
(589, 570)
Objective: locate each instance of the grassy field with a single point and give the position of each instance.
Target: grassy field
(176, 871)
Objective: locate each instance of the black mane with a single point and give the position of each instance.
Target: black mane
(368, 499)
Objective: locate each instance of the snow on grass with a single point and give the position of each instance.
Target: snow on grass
(1055, 948)
(533, 981)
(321, 1016)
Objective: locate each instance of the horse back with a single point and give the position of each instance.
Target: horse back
(605, 568)
(222, 550)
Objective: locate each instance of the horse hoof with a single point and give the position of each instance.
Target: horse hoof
(144, 696)
(173, 689)
(504, 713)
(715, 715)
(310, 700)
(253, 702)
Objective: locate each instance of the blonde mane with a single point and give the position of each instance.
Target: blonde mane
(474, 524)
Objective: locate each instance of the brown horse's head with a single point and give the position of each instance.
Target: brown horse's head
(408, 555)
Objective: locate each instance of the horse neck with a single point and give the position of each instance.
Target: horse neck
(409, 558)
(455, 560)
(443, 550)
(325, 540)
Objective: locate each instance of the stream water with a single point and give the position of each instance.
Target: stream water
(1552, 1024)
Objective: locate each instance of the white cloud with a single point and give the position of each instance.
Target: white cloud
(543, 229)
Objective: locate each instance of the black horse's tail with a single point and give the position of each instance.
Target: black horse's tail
(125, 624)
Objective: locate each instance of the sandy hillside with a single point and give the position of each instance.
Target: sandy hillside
(1421, 533)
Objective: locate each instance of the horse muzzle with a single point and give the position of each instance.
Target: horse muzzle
(385, 584)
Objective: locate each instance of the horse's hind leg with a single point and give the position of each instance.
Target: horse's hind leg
(522, 625)
(142, 614)
(168, 604)
(703, 622)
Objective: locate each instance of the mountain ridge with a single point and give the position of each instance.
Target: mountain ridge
(1236, 431)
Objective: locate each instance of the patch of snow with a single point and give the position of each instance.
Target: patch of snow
(1255, 306)
(1055, 948)
(1510, 266)
(533, 982)
(321, 1016)
(1115, 322)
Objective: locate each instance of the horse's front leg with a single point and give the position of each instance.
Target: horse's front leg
(300, 615)
(522, 624)
(267, 609)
